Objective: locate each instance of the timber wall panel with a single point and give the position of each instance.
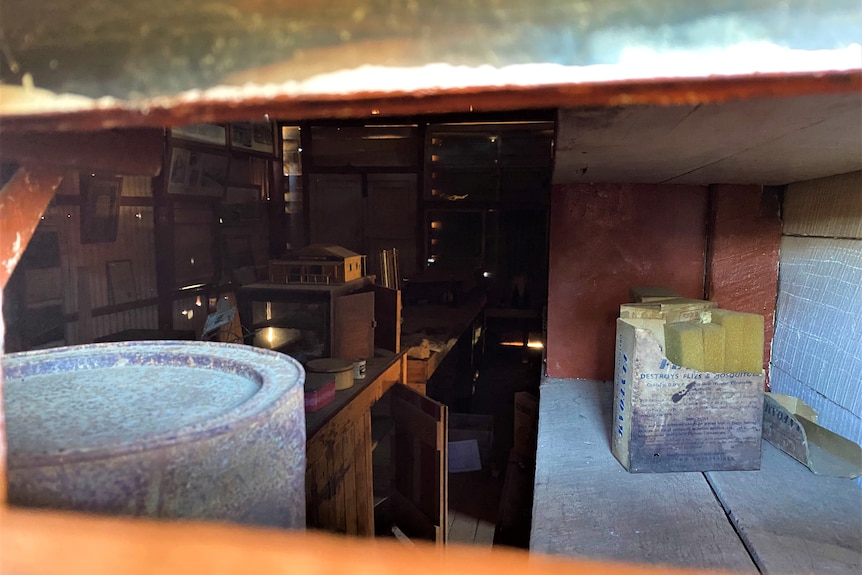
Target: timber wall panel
(605, 238)
(743, 247)
(826, 207)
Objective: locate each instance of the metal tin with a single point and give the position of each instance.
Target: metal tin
(342, 369)
(359, 369)
(159, 429)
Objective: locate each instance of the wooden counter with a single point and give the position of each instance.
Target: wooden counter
(443, 326)
(338, 480)
(381, 373)
(781, 519)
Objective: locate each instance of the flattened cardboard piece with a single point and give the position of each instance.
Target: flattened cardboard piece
(218, 320)
(794, 405)
(464, 456)
(791, 425)
(654, 326)
(473, 427)
(669, 418)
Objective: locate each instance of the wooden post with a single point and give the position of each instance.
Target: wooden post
(22, 202)
(2, 414)
(85, 307)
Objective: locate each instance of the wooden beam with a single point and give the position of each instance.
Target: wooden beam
(22, 202)
(132, 152)
(3, 482)
(205, 107)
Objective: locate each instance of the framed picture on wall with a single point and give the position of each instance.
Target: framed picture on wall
(241, 204)
(197, 173)
(253, 136)
(121, 282)
(208, 133)
(100, 207)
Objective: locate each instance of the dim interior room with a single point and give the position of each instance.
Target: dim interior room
(447, 264)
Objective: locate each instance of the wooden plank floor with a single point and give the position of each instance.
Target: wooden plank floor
(792, 520)
(466, 530)
(586, 505)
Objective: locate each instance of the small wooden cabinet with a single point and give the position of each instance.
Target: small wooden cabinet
(340, 478)
(355, 320)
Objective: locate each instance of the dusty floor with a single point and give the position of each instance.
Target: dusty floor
(501, 493)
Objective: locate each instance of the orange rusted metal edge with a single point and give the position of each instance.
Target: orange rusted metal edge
(179, 110)
(40, 542)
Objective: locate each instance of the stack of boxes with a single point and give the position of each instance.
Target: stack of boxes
(688, 385)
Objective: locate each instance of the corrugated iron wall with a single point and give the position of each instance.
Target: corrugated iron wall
(817, 351)
(134, 243)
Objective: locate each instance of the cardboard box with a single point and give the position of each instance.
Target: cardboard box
(319, 390)
(670, 310)
(791, 425)
(670, 418)
(526, 424)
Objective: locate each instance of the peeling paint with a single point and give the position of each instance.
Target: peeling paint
(10, 263)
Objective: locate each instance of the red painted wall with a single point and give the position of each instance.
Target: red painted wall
(742, 257)
(605, 238)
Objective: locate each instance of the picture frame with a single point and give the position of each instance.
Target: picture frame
(197, 173)
(40, 265)
(241, 204)
(240, 251)
(43, 286)
(100, 208)
(253, 136)
(207, 133)
(121, 282)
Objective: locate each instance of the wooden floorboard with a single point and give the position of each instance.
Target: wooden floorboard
(792, 520)
(467, 530)
(586, 505)
(484, 534)
(463, 529)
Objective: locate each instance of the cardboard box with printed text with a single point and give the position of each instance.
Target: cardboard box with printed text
(669, 418)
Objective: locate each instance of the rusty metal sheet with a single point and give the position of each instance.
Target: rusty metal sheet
(133, 49)
(161, 62)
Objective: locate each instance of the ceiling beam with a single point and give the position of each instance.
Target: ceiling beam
(131, 152)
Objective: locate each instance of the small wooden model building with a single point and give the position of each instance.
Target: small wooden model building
(318, 264)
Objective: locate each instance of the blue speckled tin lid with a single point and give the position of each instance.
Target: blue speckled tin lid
(103, 399)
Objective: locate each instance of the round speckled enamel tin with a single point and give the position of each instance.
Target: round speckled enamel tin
(159, 429)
